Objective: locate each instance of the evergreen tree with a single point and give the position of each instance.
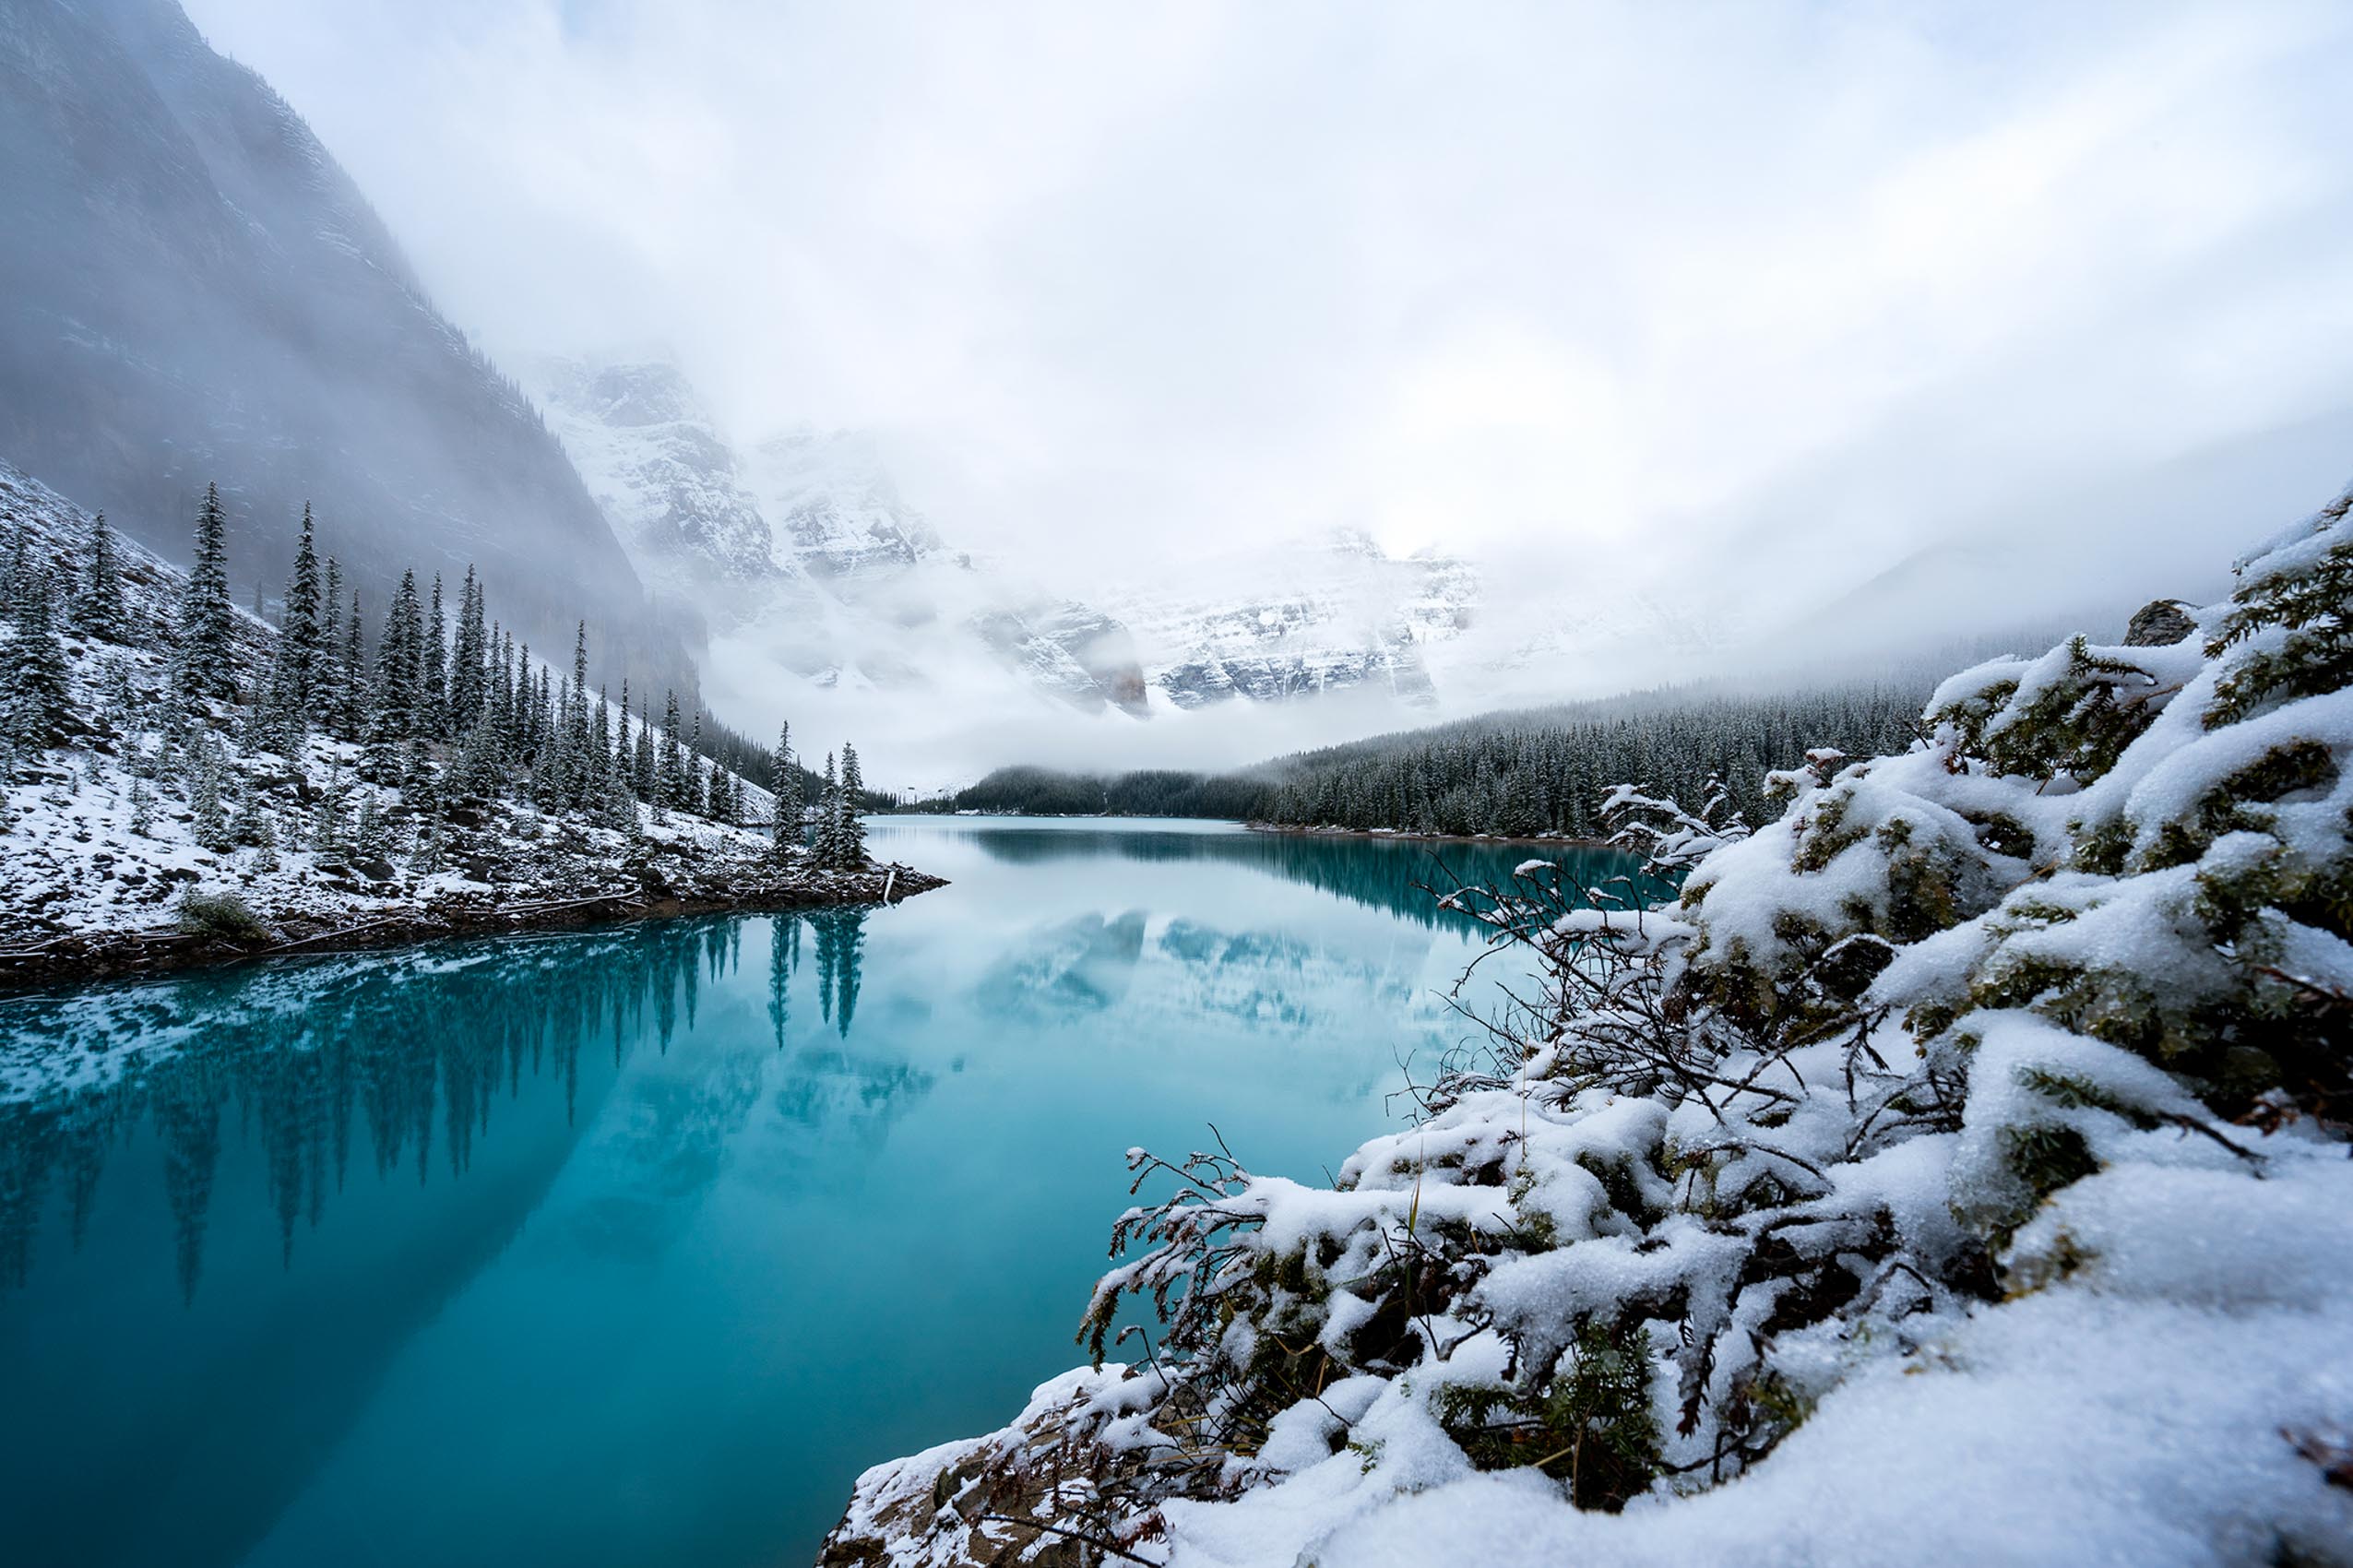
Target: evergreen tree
(301, 632)
(100, 611)
(671, 783)
(786, 822)
(601, 768)
(399, 668)
(850, 835)
(468, 669)
(34, 682)
(825, 842)
(498, 693)
(371, 834)
(266, 844)
(203, 668)
(209, 821)
(643, 769)
(351, 682)
(327, 694)
(433, 685)
(624, 756)
(524, 740)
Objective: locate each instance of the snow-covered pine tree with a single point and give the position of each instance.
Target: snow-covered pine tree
(350, 677)
(34, 682)
(370, 835)
(601, 768)
(204, 667)
(420, 790)
(209, 821)
(543, 725)
(785, 823)
(498, 692)
(690, 791)
(524, 739)
(670, 783)
(625, 752)
(468, 666)
(575, 713)
(327, 681)
(399, 665)
(249, 821)
(851, 833)
(643, 770)
(556, 779)
(299, 635)
(825, 841)
(99, 610)
(433, 677)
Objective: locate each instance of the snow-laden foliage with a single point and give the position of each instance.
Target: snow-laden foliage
(1979, 1123)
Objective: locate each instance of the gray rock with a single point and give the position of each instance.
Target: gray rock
(2159, 623)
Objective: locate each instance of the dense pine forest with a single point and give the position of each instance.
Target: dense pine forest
(351, 767)
(1518, 775)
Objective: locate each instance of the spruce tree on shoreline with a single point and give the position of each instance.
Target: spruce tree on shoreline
(851, 833)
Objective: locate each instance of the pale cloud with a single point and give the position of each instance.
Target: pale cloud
(1767, 294)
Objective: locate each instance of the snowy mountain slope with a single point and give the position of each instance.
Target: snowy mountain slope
(834, 509)
(1297, 620)
(193, 289)
(659, 471)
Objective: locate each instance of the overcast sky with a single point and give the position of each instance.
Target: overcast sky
(1772, 293)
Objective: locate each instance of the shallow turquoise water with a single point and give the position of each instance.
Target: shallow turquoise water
(636, 1246)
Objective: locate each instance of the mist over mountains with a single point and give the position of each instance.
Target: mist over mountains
(809, 562)
(194, 289)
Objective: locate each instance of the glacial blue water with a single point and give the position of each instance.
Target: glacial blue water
(636, 1245)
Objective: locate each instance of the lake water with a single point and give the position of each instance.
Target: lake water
(636, 1245)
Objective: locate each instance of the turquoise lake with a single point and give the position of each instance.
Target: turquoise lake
(636, 1245)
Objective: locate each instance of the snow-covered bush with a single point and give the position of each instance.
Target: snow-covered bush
(2057, 1003)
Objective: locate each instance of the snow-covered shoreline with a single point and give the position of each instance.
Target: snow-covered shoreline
(747, 885)
(1954, 1171)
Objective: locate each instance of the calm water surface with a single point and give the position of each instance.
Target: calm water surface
(636, 1246)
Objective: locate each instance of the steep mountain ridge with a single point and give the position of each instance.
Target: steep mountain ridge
(198, 291)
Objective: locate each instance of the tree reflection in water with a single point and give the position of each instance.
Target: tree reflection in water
(397, 1044)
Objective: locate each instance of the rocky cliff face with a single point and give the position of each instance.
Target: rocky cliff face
(191, 288)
